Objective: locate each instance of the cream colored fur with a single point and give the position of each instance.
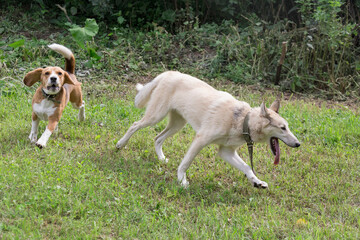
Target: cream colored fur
(216, 116)
(67, 53)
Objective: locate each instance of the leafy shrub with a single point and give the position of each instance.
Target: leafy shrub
(322, 51)
(84, 36)
(321, 54)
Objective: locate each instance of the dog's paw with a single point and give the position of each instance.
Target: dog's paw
(184, 183)
(120, 144)
(257, 183)
(260, 184)
(39, 145)
(163, 159)
(33, 137)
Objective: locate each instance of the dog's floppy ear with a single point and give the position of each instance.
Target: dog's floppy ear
(263, 110)
(275, 106)
(67, 79)
(32, 77)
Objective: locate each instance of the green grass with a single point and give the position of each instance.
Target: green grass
(80, 186)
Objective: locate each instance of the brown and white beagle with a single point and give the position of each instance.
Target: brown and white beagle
(57, 87)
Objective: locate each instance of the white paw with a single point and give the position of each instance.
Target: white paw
(260, 184)
(40, 144)
(183, 182)
(163, 159)
(120, 144)
(33, 137)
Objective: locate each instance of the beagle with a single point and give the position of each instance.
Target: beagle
(57, 87)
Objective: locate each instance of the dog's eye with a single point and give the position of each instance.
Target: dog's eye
(47, 73)
(283, 128)
(59, 73)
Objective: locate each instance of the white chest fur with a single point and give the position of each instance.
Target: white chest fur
(44, 109)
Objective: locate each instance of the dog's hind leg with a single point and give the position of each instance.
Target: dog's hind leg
(134, 127)
(230, 155)
(81, 109)
(154, 114)
(199, 142)
(176, 122)
(76, 99)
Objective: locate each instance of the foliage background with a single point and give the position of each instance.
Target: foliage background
(242, 39)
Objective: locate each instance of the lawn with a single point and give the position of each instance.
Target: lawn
(81, 186)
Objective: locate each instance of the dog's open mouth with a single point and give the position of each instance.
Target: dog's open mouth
(53, 87)
(274, 145)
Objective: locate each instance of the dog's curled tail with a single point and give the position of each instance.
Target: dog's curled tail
(67, 54)
(144, 93)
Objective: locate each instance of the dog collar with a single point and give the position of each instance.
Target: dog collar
(247, 137)
(50, 97)
(246, 130)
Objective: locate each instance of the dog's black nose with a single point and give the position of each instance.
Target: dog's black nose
(297, 144)
(53, 79)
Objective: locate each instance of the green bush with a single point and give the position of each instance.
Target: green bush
(322, 42)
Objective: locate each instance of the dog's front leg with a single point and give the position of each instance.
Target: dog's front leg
(41, 143)
(196, 146)
(230, 155)
(34, 128)
(81, 109)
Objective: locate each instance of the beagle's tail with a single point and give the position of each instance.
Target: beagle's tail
(67, 54)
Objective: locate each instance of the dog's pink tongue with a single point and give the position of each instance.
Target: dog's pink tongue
(277, 148)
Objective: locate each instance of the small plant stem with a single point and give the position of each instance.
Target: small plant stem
(64, 10)
(278, 72)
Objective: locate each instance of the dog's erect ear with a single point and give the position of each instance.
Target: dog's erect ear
(263, 110)
(32, 77)
(67, 79)
(275, 106)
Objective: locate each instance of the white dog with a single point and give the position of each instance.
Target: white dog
(216, 116)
